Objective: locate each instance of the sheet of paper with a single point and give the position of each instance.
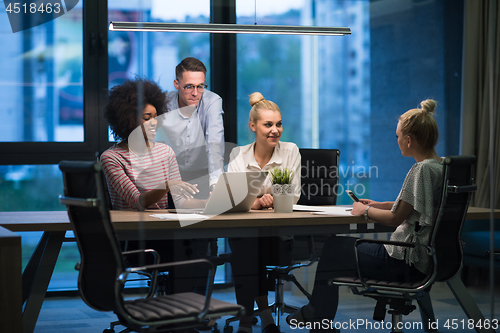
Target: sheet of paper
(184, 219)
(190, 216)
(325, 210)
(305, 208)
(335, 210)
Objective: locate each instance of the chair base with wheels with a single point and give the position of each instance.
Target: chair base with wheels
(278, 275)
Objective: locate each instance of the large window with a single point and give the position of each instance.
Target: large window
(155, 54)
(42, 83)
(41, 102)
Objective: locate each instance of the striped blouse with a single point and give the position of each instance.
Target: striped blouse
(128, 175)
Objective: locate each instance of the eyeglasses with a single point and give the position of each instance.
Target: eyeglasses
(190, 87)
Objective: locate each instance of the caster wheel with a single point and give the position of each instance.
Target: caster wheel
(228, 329)
(215, 328)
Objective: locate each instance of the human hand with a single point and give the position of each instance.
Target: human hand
(183, 189)
(211, 189)
(367, 202)
(265, 201)
(358, 208)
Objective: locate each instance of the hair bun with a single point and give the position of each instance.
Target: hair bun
(429, 105)
(255, 98)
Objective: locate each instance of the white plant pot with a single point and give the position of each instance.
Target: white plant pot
(283, 198)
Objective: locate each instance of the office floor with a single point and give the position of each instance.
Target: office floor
(68, 315)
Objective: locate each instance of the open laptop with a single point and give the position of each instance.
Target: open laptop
(234, 192)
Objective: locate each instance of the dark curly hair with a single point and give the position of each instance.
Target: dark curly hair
(121, 109)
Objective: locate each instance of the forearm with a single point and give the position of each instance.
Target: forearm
(149, 198)
(386, 205)
(214, 136)
(383, 216)
(215, 161)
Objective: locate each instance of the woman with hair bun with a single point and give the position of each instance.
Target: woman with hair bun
(251, 255)
(412, 214)
(267, 152)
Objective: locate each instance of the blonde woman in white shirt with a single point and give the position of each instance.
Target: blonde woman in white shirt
(251, 255)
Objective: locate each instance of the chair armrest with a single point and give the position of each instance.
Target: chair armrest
(154, 274)
(388, 242)
(155, 254)
(173, 264)
(461, 189)
(202, 262)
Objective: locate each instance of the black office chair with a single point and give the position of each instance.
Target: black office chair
(445, 246)
(319, 176)
(102, 273)
(319, 182)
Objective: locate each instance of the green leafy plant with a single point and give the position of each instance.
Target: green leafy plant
(281, 176)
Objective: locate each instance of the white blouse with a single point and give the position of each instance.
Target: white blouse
(285, 154)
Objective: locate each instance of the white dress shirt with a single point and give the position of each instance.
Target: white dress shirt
(285, 154)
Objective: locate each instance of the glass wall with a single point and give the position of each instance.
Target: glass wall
(334, 92)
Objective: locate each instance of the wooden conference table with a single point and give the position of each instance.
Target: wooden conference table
(140, 225)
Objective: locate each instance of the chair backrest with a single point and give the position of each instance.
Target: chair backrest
(319, 176)
(88, 211)
(458, 185)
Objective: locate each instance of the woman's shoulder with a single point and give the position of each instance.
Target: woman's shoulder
(163, 148)
(112, 151)
(428, 165)
(288, 146)
(427, 169)
(242, 149)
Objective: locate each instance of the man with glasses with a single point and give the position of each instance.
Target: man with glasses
(194, 127)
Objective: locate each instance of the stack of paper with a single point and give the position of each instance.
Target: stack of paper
(325, 210)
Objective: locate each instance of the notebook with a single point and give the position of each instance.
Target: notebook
(234, 192)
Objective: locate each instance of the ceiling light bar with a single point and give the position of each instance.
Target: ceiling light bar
(229, 28)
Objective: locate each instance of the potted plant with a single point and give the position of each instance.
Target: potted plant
(283, 190)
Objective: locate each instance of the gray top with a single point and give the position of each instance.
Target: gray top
(421, 189)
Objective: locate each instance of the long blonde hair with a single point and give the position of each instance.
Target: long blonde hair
(421, 124)
(258, 102)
